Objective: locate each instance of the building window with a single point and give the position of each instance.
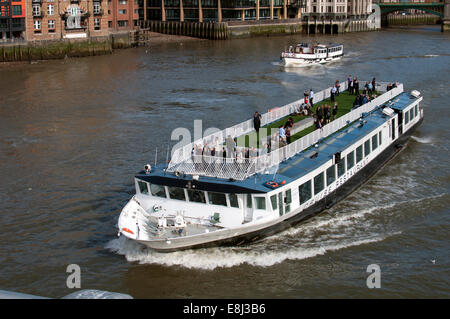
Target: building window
(122, 11)
(17, 10)
(51, 26)
(122, 1)
(96, 24)
(331, 175)
(196, 196)
(37, 26)
(97, 8)
(122, 23)
(304, 192)
(318, 183)
(50, 9)
(36, 10)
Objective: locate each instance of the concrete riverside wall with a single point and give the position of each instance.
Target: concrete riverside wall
(412, 19)
(204, 30)
(60, 49)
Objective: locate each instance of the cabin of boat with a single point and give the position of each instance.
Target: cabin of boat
(220, 201)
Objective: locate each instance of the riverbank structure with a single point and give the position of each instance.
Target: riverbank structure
(229, 10)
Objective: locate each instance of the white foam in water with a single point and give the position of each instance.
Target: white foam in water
(423, 140)
(211, 258)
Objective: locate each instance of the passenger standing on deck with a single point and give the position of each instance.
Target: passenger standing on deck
(335, 109)
(230, 146)
(288, 133)
(257, 121)
(311, 97)
(337, 85)
(282, 133)
(332, 93)
(355, 86)
(350, 84)
(374, 82)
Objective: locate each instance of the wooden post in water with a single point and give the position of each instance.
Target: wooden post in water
(200, 11)
(163, 11)
(219, 11)
(181, 11)
(257, 10)
(271, 9)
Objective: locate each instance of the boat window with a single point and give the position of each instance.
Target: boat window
(143, 188)
(304, 191)
(196, 196)
(157, 190)
(260, 202)
(367, 147)
(318, 183)
(351, 159)
(415, 111)
(341, 167)
(249, 200)
(411, 114)
(233, 200)
(359, 154)
(217, 199)
(374, 142)
(288, 196)
(176, 193)
(380, 140)
(406, 118)
(331, 175)
(273, 200)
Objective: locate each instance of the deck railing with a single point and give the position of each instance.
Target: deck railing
(239, 167)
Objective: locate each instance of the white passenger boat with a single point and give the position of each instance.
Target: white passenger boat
(304, 54)
(200, 201)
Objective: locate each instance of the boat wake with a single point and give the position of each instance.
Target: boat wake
(423, 140)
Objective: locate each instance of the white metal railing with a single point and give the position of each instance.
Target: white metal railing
(238, 167)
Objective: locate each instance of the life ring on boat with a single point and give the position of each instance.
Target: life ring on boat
(272, 184)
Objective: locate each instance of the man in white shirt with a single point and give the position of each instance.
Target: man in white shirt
(311, 97)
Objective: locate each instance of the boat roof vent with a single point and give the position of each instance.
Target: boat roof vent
(388, 111)
(415, 93)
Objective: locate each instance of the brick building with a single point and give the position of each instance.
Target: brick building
(66, 19)
(12, 19)
(123, 14)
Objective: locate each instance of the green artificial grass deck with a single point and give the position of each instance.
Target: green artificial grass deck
(345, 104)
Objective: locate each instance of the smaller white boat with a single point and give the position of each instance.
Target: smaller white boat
(304, 54)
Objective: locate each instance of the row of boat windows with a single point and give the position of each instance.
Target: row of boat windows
(411, 114)
(346, 163)
(221, 199)
(197, 196)
(334, 49)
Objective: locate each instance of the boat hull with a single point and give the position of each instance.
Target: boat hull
(289, 62)
(243, 235)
